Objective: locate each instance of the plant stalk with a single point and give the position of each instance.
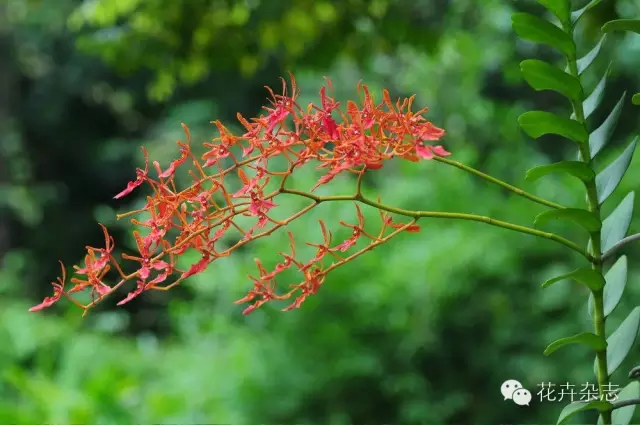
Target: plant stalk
(599, 318)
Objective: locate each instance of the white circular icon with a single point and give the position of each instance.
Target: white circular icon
(521, 397)
(509, 387)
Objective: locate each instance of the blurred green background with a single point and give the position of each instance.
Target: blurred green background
(422, 330)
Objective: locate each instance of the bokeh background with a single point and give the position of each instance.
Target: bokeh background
(422, 330)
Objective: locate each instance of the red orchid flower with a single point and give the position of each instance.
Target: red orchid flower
(58, 291)
(141, 176)
(357, 232)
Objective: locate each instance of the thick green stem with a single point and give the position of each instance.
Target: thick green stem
(435, 214)
(498, 182)
(596, 254)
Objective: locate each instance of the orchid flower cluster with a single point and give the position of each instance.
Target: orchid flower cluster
(362, 139)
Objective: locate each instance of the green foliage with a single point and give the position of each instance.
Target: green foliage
(592, 102)
(585, 275)
(544, 76)
(601, 136)
(616, 225)
(632, 25)
(616, 280)
(624, 416)
(608, 179)
(603, 235)
(538, 30)
(588, 220)
(621, 341)
(560, 9)
(576, 15)
(575, 168)
(587, 60)
(240, 36)
(539, 123)
(573, 408)
(595, 342)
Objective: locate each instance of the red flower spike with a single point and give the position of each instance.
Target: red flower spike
(428, 152)
(323, 248)
(288, 260)
(414, 228)
(357, 232)
(358, 137)
(328, 105)
(313, 280)
(367, 115)
(147, 264)
(219, 150)
(49, 301)
(131, 295)
(105, 255)
(253, 306)
(184, 155)
(186, 133)
(249, 184)
(94, 278)
(141, 177)
(252, 135)
(196, 268)
(283, 105)
(58, 291)
(259, 206)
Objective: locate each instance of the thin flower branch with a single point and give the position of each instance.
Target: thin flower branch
(435, 214)
(499, 182)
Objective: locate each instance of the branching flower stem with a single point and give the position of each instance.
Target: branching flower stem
(499, 182)
(435, 214)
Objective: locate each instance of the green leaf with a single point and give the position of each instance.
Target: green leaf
(600, 136)
(621, 340)
(543, 76)
(575, 16)
(597, 343)
(632, 25)
(609, 179)
(585, 62)
(560, 8)
(636, 99)
(595, 98)
(616, 280)
(538, 30)
(581, 406)
(540, 123)
(585, 275)
(624, 415)
(615, 227)
(577, 169)
(584, 218)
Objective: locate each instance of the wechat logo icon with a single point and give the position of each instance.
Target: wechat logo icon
(513, 390)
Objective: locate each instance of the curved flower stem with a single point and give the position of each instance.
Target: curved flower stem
(599, 317)
(625, 403)
(435, 214)
(619, 245)
(499, 182)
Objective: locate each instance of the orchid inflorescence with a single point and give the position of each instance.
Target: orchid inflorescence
(201, 214)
